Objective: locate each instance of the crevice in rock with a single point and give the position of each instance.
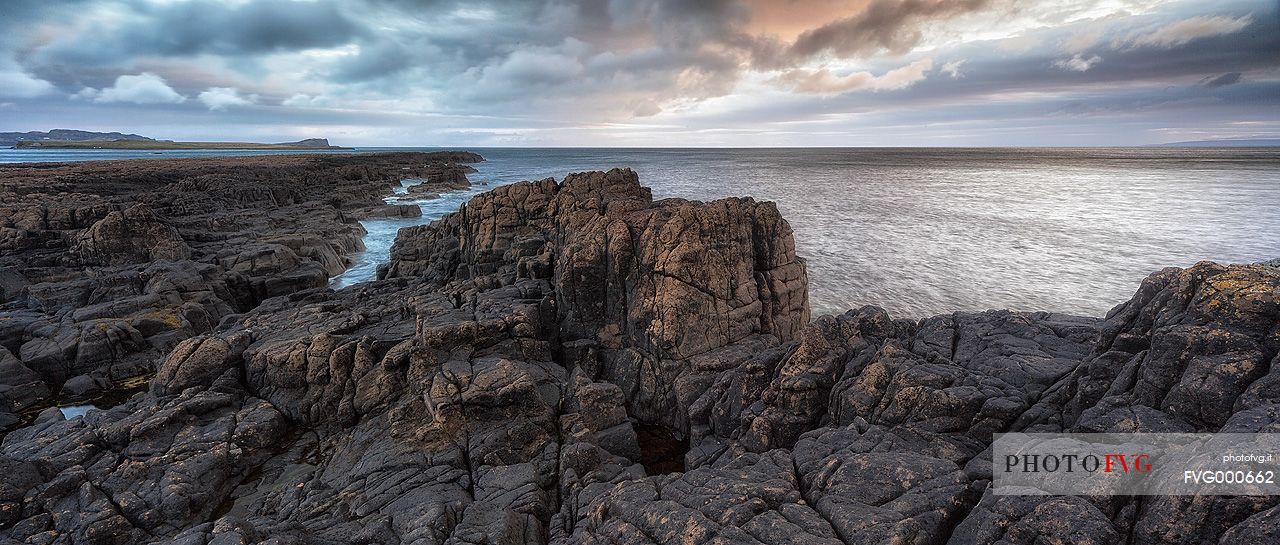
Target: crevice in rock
(119, 509)
(661, 451)
(955, 339)
(809, 500)
(251, 477)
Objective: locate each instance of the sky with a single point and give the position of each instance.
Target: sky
(653, 73)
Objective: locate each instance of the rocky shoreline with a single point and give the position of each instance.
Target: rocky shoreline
(560, 362)
(106, 266)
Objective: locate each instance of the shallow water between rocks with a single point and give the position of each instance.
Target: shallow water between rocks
(119, 392)
(382, 231)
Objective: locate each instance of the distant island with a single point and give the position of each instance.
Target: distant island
(75, 139)
(11, 139)
(1224, 143)
(308, 144)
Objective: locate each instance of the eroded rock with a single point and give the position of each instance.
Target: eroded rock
(107, 266)
(497, 383)
(133, 235)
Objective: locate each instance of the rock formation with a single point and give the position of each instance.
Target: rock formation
(531, 369)
(107, 266)
(133, 235)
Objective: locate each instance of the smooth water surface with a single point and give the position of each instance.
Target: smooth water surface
(382, 231)
(928, 231)
(72, 411)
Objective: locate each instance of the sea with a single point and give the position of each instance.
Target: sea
(925, 231)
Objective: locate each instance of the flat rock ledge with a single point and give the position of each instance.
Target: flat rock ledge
(575, 362)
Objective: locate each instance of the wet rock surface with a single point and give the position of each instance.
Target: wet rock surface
(523, 370)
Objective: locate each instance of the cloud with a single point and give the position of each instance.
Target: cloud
(385, 58)
(527, 67)
(540, 67)
(17, 84)
(1081, 41)
(88, 93)
(826, 83)
(1187, 30)
(144, 88)
(645, 108)
(892, 26)
(1230, 78)
(302, 100)
(1019, 44)
(1078, 63)
(208, 27)
(221, 98)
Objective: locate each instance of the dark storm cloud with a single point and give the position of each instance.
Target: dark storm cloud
(19, 13)
(385, 58)
(1177, 80)
(213, 27)
(540, 64)
(1231, 78)
(884, 25)
(501, 55)
(133, 37)
(1210, 62)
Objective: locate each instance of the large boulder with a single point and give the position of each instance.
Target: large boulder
(1195, 350)
(198, 362)
(1193, 347)
(626, 269)
(649, 285)
(21, 389)
(133, 235)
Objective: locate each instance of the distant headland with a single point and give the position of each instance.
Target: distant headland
(1224, 143)
(75, 139)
